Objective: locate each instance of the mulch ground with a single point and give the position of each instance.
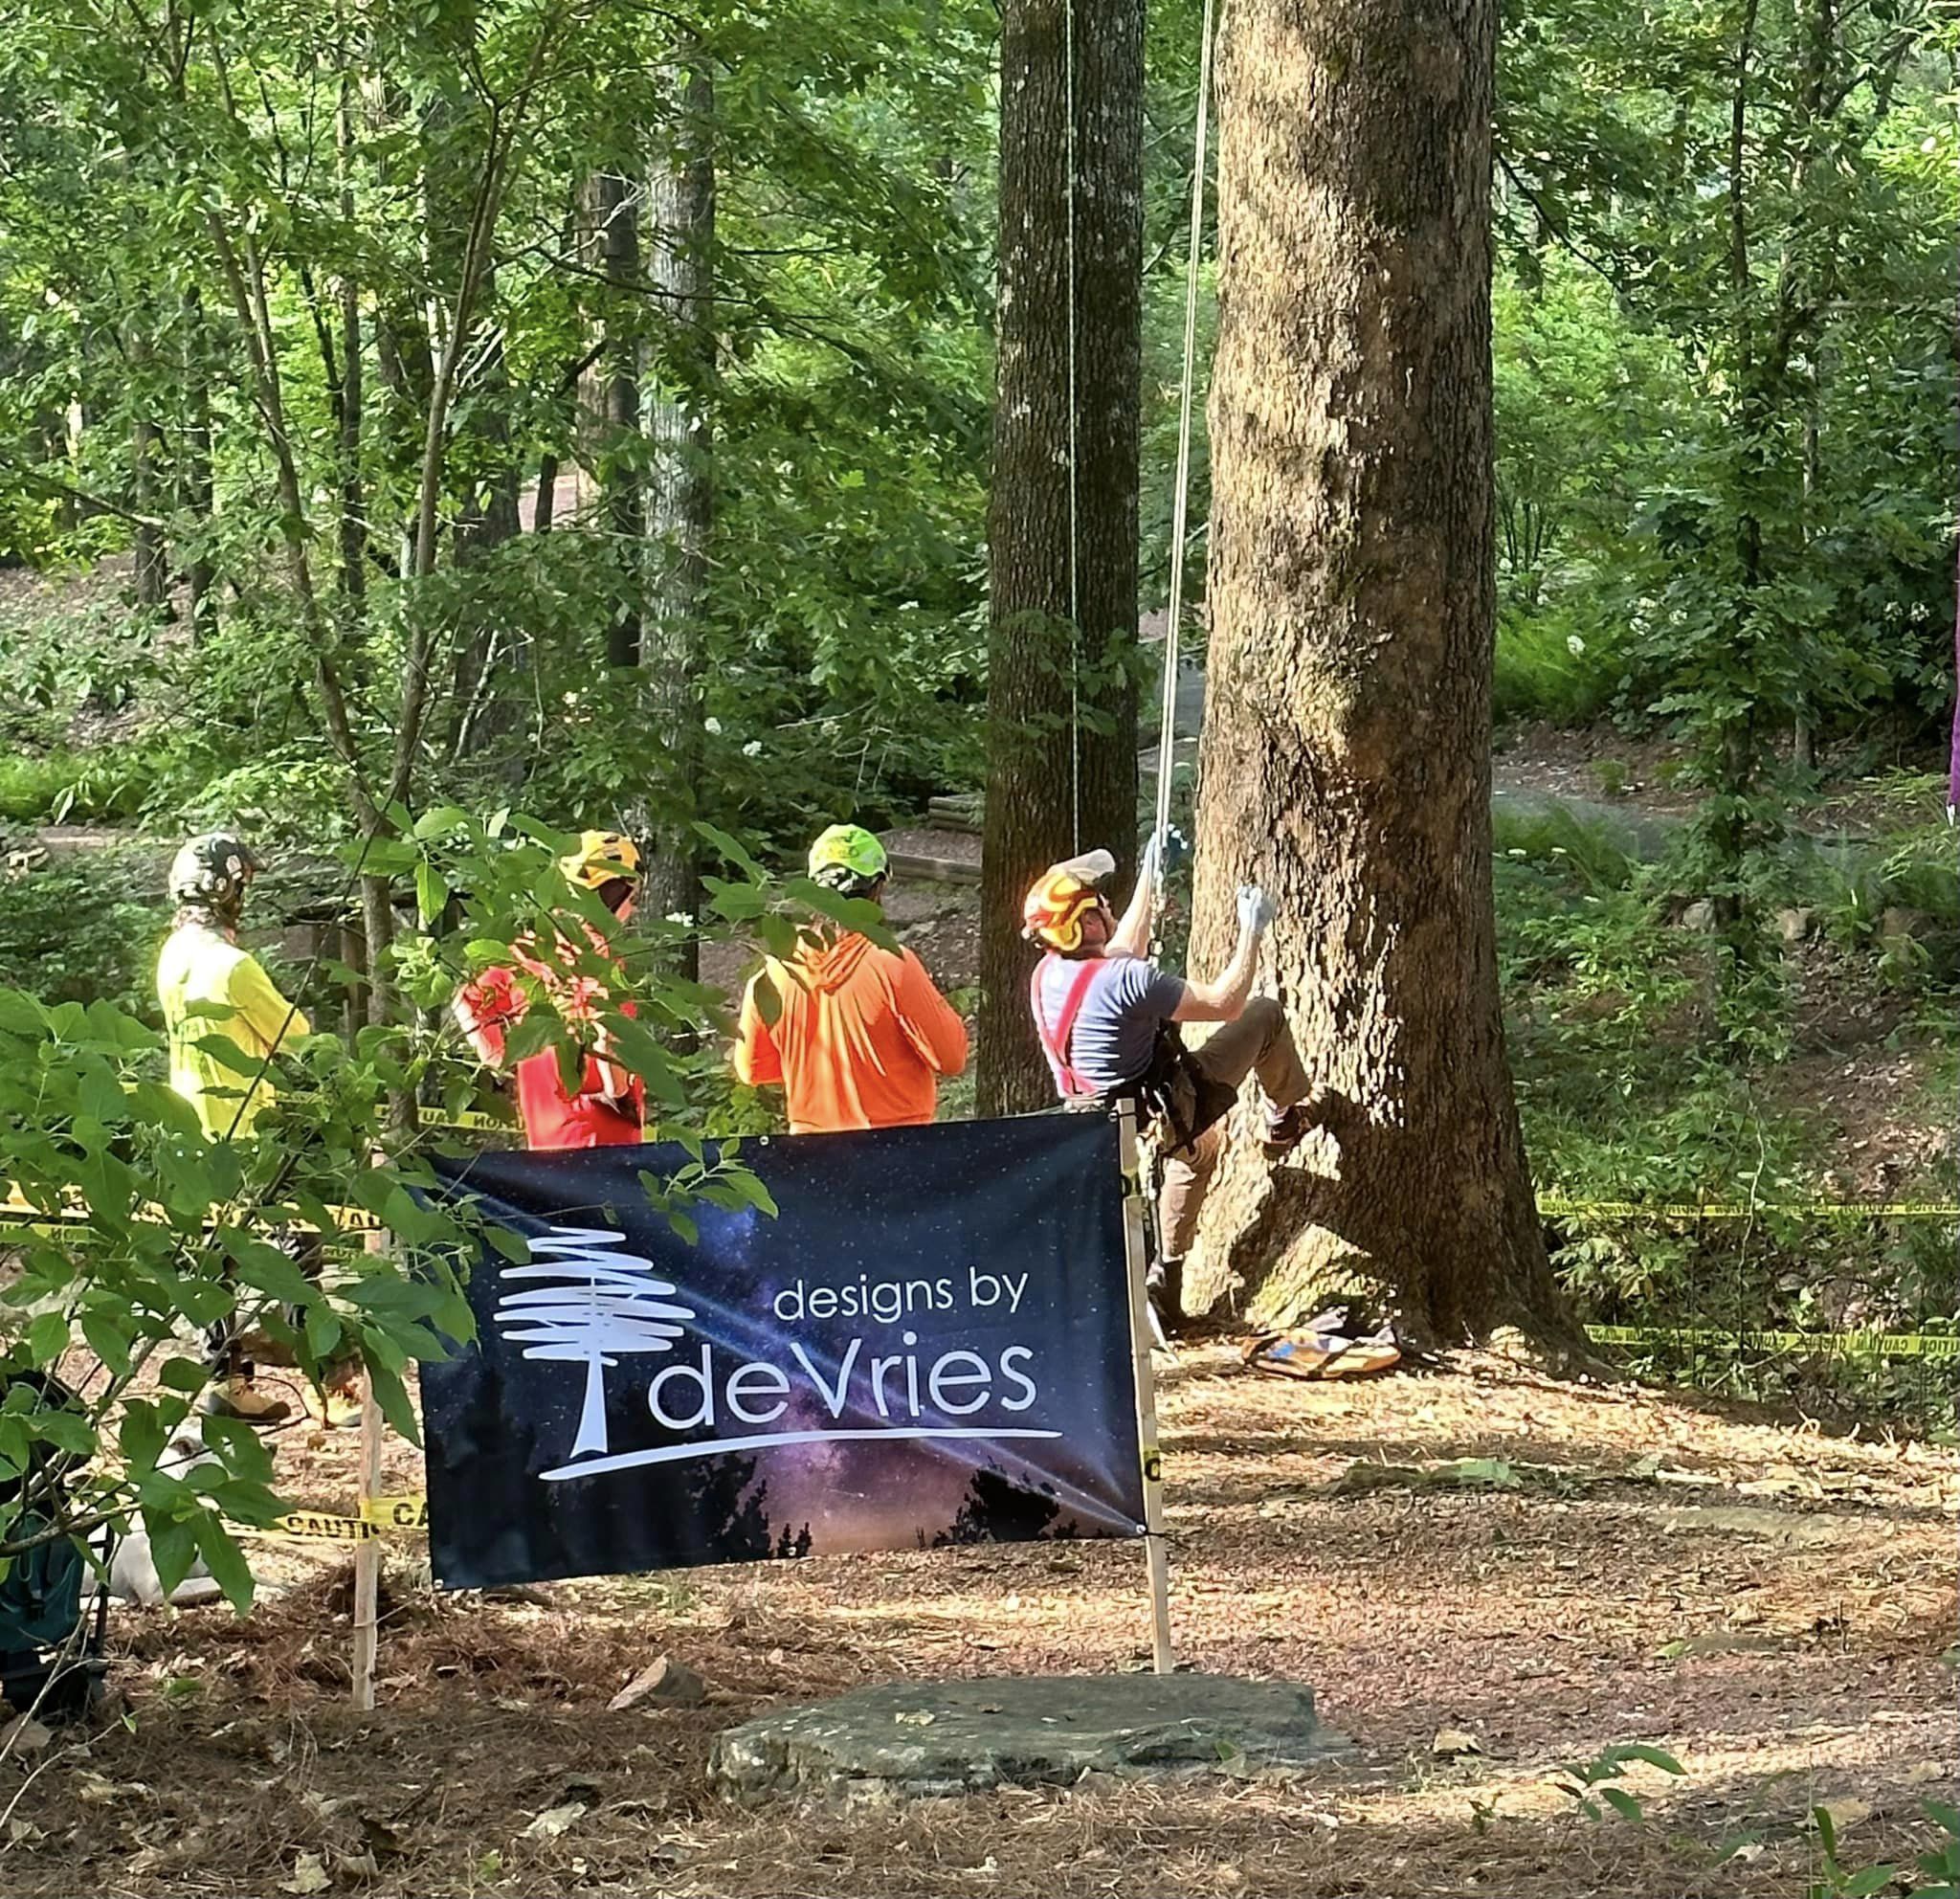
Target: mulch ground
(1772, 1604)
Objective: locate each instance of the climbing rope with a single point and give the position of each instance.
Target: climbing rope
(1167, 729)
(1074, 606)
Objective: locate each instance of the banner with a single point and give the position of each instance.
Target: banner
(927, 1344)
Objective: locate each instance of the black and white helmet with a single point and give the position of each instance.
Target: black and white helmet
(212, 871)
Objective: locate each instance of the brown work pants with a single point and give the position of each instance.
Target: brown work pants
(1258, 1043)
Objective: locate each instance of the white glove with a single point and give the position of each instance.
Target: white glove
(1149, 872)
(1254, 910)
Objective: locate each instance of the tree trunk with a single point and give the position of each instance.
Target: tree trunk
(615, 224)
(146, 456)
(681, 493)
(1061, 691)
(197, 492)
(1346, 761)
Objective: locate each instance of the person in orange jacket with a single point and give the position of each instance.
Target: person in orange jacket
(606, 1106)
(860, 1036)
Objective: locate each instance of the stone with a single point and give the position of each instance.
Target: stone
(1898, 924)
(939, 1738)
(1699, 915)
(666, 1682)
(1793, 926)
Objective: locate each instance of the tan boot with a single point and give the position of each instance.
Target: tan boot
(239, 1396)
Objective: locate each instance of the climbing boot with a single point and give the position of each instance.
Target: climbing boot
(1164, 1288)
(239, 1396)
(1286, 1130)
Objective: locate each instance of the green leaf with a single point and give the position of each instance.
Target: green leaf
(1653, 1757)
(143, 1435)
(731, 849)
(431, 893)
(107, 1341)
(1623, 1803)
(173, 1546)
(392, 1396)
(224, 1560)
(183, 1375)
(46, 1337)
(1864, 1884)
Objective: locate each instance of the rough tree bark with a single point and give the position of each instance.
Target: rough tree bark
(1062, 693)
(680, 495)
(1346, 761)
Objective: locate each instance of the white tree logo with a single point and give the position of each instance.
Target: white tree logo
(612, 1303)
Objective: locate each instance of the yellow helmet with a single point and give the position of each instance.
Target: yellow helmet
(1061, 897)
(602, 858)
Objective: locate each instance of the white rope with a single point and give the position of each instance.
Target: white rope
(1075, 610)
(1167, 731)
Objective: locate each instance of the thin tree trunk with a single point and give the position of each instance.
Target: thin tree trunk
(146, 456)
(680, 490)
(1062, 693)
(1345, 762)
(196, 491)
(1735, 753)
(350, 407)
(615, 217)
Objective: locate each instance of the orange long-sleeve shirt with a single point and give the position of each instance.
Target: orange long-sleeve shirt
(861, 1041)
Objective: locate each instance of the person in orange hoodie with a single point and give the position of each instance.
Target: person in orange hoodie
(860, 1037)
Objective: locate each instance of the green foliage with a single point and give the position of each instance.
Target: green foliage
(149, 1233)
(1601, 1775)
(85, 929)
(1561, 661)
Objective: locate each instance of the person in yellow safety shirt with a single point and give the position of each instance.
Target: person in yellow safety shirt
(860, 1036)
(224, 1019)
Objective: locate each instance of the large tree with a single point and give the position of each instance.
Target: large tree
(1345, 763)
(1062, 701)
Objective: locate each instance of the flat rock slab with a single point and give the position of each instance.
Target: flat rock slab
(956, 1738)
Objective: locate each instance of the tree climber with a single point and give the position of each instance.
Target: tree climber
(224, 1019)
(605, 1106)
(857, 1036)
(1106, 1017)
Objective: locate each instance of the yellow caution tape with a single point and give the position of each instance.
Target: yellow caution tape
(395, 1512)
(468, 1117)
(1553, 1203)
(380, 1516)
(1852, 1345)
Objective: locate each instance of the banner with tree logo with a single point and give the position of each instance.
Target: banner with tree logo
(904, 1339)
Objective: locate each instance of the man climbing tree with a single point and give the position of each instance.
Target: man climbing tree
(1346, 764)
(1061, 707)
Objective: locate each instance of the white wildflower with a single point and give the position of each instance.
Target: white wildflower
(1574, 645)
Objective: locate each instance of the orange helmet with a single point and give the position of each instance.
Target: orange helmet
(1063, 896)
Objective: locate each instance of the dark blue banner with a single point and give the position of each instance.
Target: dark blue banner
(927, 1344)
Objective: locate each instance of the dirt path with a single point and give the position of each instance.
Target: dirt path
(1775, 1614)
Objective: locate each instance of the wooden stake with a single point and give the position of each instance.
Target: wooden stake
(366, 1553)
(1156, 1557)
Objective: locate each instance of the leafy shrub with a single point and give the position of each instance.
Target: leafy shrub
(1556, 662)
(83, 930)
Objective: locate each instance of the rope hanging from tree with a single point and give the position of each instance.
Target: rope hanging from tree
(1167, 729)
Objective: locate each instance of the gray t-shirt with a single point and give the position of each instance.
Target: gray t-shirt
(1116, 1027)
